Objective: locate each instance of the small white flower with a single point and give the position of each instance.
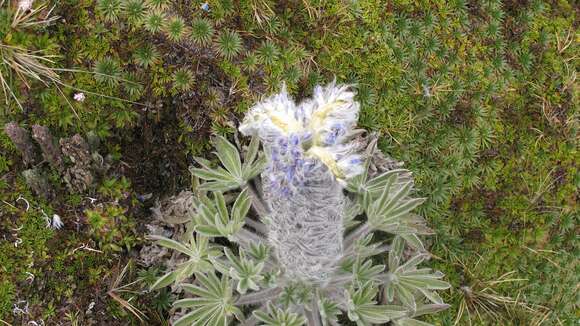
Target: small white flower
(79, 97)
(56, 222)
(25, 5)
(205, 6)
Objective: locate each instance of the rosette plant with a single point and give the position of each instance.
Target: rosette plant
(311, 225)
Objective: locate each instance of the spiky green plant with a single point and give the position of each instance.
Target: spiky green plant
(146, 56)
(155, 21)
(214, 98)
(201, 31)
(250, 62)
(107, 71)
(110, 9)
(175, 29)
(135, 12)
(268, 53)
(132, 85)
(159, 4)
(305, 252)
(182, 79)
(229, 44)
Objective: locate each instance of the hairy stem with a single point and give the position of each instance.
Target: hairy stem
(245, 237)
(258, 203)
(258, 226)
(258, 297)
(313, 316)
(359, 233)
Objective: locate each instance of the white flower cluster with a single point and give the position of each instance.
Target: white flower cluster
(324, 125)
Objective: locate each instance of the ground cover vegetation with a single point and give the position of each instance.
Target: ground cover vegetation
(105, 105)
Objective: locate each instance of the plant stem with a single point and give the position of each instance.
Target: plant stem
(360, 232)
(260, 296)
(257, 201)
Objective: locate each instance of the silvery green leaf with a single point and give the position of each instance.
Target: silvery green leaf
(278, 317)
(219, 185)
(414, 241)
(429, 309)
(171, 244)
(396, 253)
(386, 180)
(363, 309)
(329, 311)
(259, 251)
(410, 322)
(164, 281)
(251, 171)
(208, 231)
(213, 303)
(218, 174)
(252, 151)
(241, 207)
(366, 271)
(229, 156)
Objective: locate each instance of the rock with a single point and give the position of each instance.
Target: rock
(50, 151)
(79, 177)
(22, 141)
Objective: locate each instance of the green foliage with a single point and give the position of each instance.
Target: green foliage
(183, 79)
(155, 21)
(235, 173)
(175, 29)
(363, 309)
(135, 12)
(277, 317)
(159, 4)
(214, 220)
(201, 31)
(200, 254)
(213, 305)
(268, 53)
(110, 10)
(229, 44)
(478, 98)
(146, 56)
(107, 71)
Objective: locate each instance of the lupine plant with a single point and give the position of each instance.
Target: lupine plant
(308, 226)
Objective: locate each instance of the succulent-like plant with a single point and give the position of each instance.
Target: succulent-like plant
(159, 4)
(154, 22)
(182, 79)
(146, 56)
(229, 44)
(135, 11)
(250, 62)
(176, 29)
(107, 71)
(306, 250)
(110, 9)
(201, 31)
(268, 53)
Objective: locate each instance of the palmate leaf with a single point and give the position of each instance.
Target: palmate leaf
(388, 211)
(233, 174)
(329, 312)
(214, 220)
(245, 271)
(277, 317)
(405, 281)
(364, 310)
(200, 253)
(212, 304)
